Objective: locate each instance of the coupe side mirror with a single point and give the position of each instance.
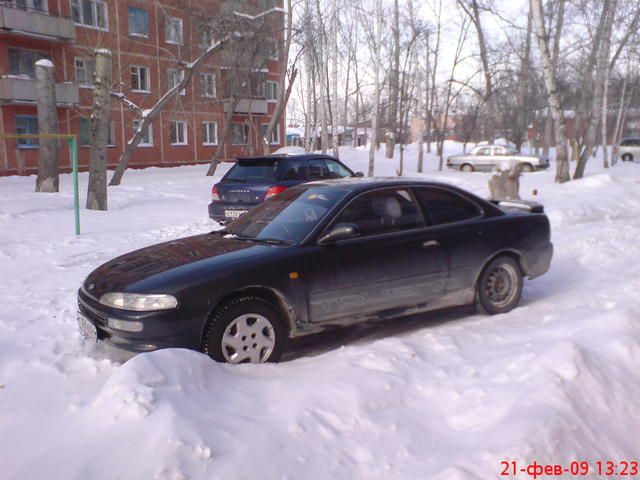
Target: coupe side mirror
(358, 174)
(342, 231)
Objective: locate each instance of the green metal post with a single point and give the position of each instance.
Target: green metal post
(73, 146)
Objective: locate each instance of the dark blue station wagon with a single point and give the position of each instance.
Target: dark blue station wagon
(253, 180)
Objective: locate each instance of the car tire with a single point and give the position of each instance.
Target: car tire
(499, 287)
(466, 167)
(627, 157)
(526, 168)
(246, 329)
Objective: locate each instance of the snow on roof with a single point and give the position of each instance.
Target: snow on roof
(291, 150)
(45, 62)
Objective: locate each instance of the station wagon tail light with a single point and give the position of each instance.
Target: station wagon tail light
(215, 194)
(139, 302)
(273, 191)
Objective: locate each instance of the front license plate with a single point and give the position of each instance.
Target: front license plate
(234, 213)
(87, 328)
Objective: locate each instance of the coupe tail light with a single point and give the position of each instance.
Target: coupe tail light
(274, 191)
(215, 194)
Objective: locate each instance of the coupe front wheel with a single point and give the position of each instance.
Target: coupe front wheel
(466, 167)
(500, 286)
(245, 330)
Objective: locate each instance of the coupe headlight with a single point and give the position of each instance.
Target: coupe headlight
(138, 301)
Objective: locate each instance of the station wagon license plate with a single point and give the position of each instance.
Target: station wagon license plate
(87, 328)
(234, 213)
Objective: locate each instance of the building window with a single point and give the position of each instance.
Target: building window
(138, 22)
(22, 62)
(90, 13)
(111, 138)
(147, 138)
(84, 132)
(178, 132)
(208, 81)
(239, 134)
(173, 30)
(267, 4)
(37, 5)
(174, 77)
(270, 48)
(275, 135)
(271, 90)
(140, 79)
(209, 133)
(84, 70)
(205, 36)
(26, 124)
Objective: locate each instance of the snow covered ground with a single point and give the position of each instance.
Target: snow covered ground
(554, 381)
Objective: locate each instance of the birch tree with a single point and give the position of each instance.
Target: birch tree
(551, 84)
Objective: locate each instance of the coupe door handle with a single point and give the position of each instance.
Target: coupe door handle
(431, 244)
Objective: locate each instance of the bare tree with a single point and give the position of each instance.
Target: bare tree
(242, 28)
(286, 79)
(472, 9)
(99, 133)
(550, 81)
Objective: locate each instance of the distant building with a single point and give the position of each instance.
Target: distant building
(146, 39)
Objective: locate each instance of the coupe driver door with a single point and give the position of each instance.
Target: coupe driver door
(390, 266)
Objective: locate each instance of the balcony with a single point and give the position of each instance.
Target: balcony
(255, 106)
(31, 22)
(16, 89)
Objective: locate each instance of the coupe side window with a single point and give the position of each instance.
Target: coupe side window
(484, 151)
(440, 206)
(382, 211)
(336, 170)
(317, 170)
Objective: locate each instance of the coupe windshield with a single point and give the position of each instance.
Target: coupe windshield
(288, 217)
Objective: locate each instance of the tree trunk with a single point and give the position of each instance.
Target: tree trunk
(48, 179)
(616, 132)
(334, 78)
(522, 110)
(222, 141)
(605, 152)
(505, 184)
(604, 41)
(376, 93)
(283, 94)
(394, 81)
(489, 98)
(97, 190)
(550, 81)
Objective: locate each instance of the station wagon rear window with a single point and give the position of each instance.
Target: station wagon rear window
(264, 170)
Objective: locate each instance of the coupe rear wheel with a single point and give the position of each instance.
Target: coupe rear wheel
(467, 167)
(627, 157)
(245, 330)
(500, 285)
(526, 167)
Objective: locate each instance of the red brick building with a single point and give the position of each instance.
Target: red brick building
(148, 40)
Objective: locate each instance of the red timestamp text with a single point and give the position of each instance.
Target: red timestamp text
(577, 468)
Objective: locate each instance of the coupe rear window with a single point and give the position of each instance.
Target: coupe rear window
(264, 170)
(630, 142)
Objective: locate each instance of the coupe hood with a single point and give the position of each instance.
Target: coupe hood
(157, 263)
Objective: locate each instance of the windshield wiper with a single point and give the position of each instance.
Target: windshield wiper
(272, 241)
(238, 180)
